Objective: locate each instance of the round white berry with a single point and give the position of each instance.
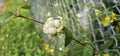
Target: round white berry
(56, 23)
(51, 31)
(45, 30)
(59, 17)
(50, 24)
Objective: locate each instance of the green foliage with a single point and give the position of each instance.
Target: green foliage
(4, 17)
(79, 50)
(26, 6)
(18, 36)
(14, 5)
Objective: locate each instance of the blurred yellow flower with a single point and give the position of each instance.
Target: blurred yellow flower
(110, 18)
(113, 16)
(107, 18)
(105, 21)
(106, 55)
(47, 47)
(51, 50)
(97, 12)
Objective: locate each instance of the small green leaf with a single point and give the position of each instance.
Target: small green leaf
(109, 43)
(26, 6)
(88, 50)
(68, 36)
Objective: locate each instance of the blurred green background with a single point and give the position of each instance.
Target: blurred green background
(18, 36)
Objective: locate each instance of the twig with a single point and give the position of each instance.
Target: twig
(87, 43)
(18, 15)
(78, 42)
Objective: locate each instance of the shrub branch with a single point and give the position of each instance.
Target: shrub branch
(19, 15)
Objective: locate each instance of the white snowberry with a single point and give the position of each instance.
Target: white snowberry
(56, 23)
(59, 17)
(50, 22)
(52, 26)
(51, 31)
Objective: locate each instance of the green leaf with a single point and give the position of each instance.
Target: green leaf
(68, 36)
(26, 6)
(109, 43)
(13, 5)
(5, 16)
(88, 50)
(80, 50)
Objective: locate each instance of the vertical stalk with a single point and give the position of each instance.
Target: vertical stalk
(56, 52)
(54, 45)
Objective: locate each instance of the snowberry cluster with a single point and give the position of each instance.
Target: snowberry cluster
(52, 26)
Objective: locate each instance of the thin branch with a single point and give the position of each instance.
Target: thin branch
(86, 43)
(18, 15)
(78, 42)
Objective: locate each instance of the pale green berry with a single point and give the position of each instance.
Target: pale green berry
(59, 29)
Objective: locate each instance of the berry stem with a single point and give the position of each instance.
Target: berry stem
(19, 15)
